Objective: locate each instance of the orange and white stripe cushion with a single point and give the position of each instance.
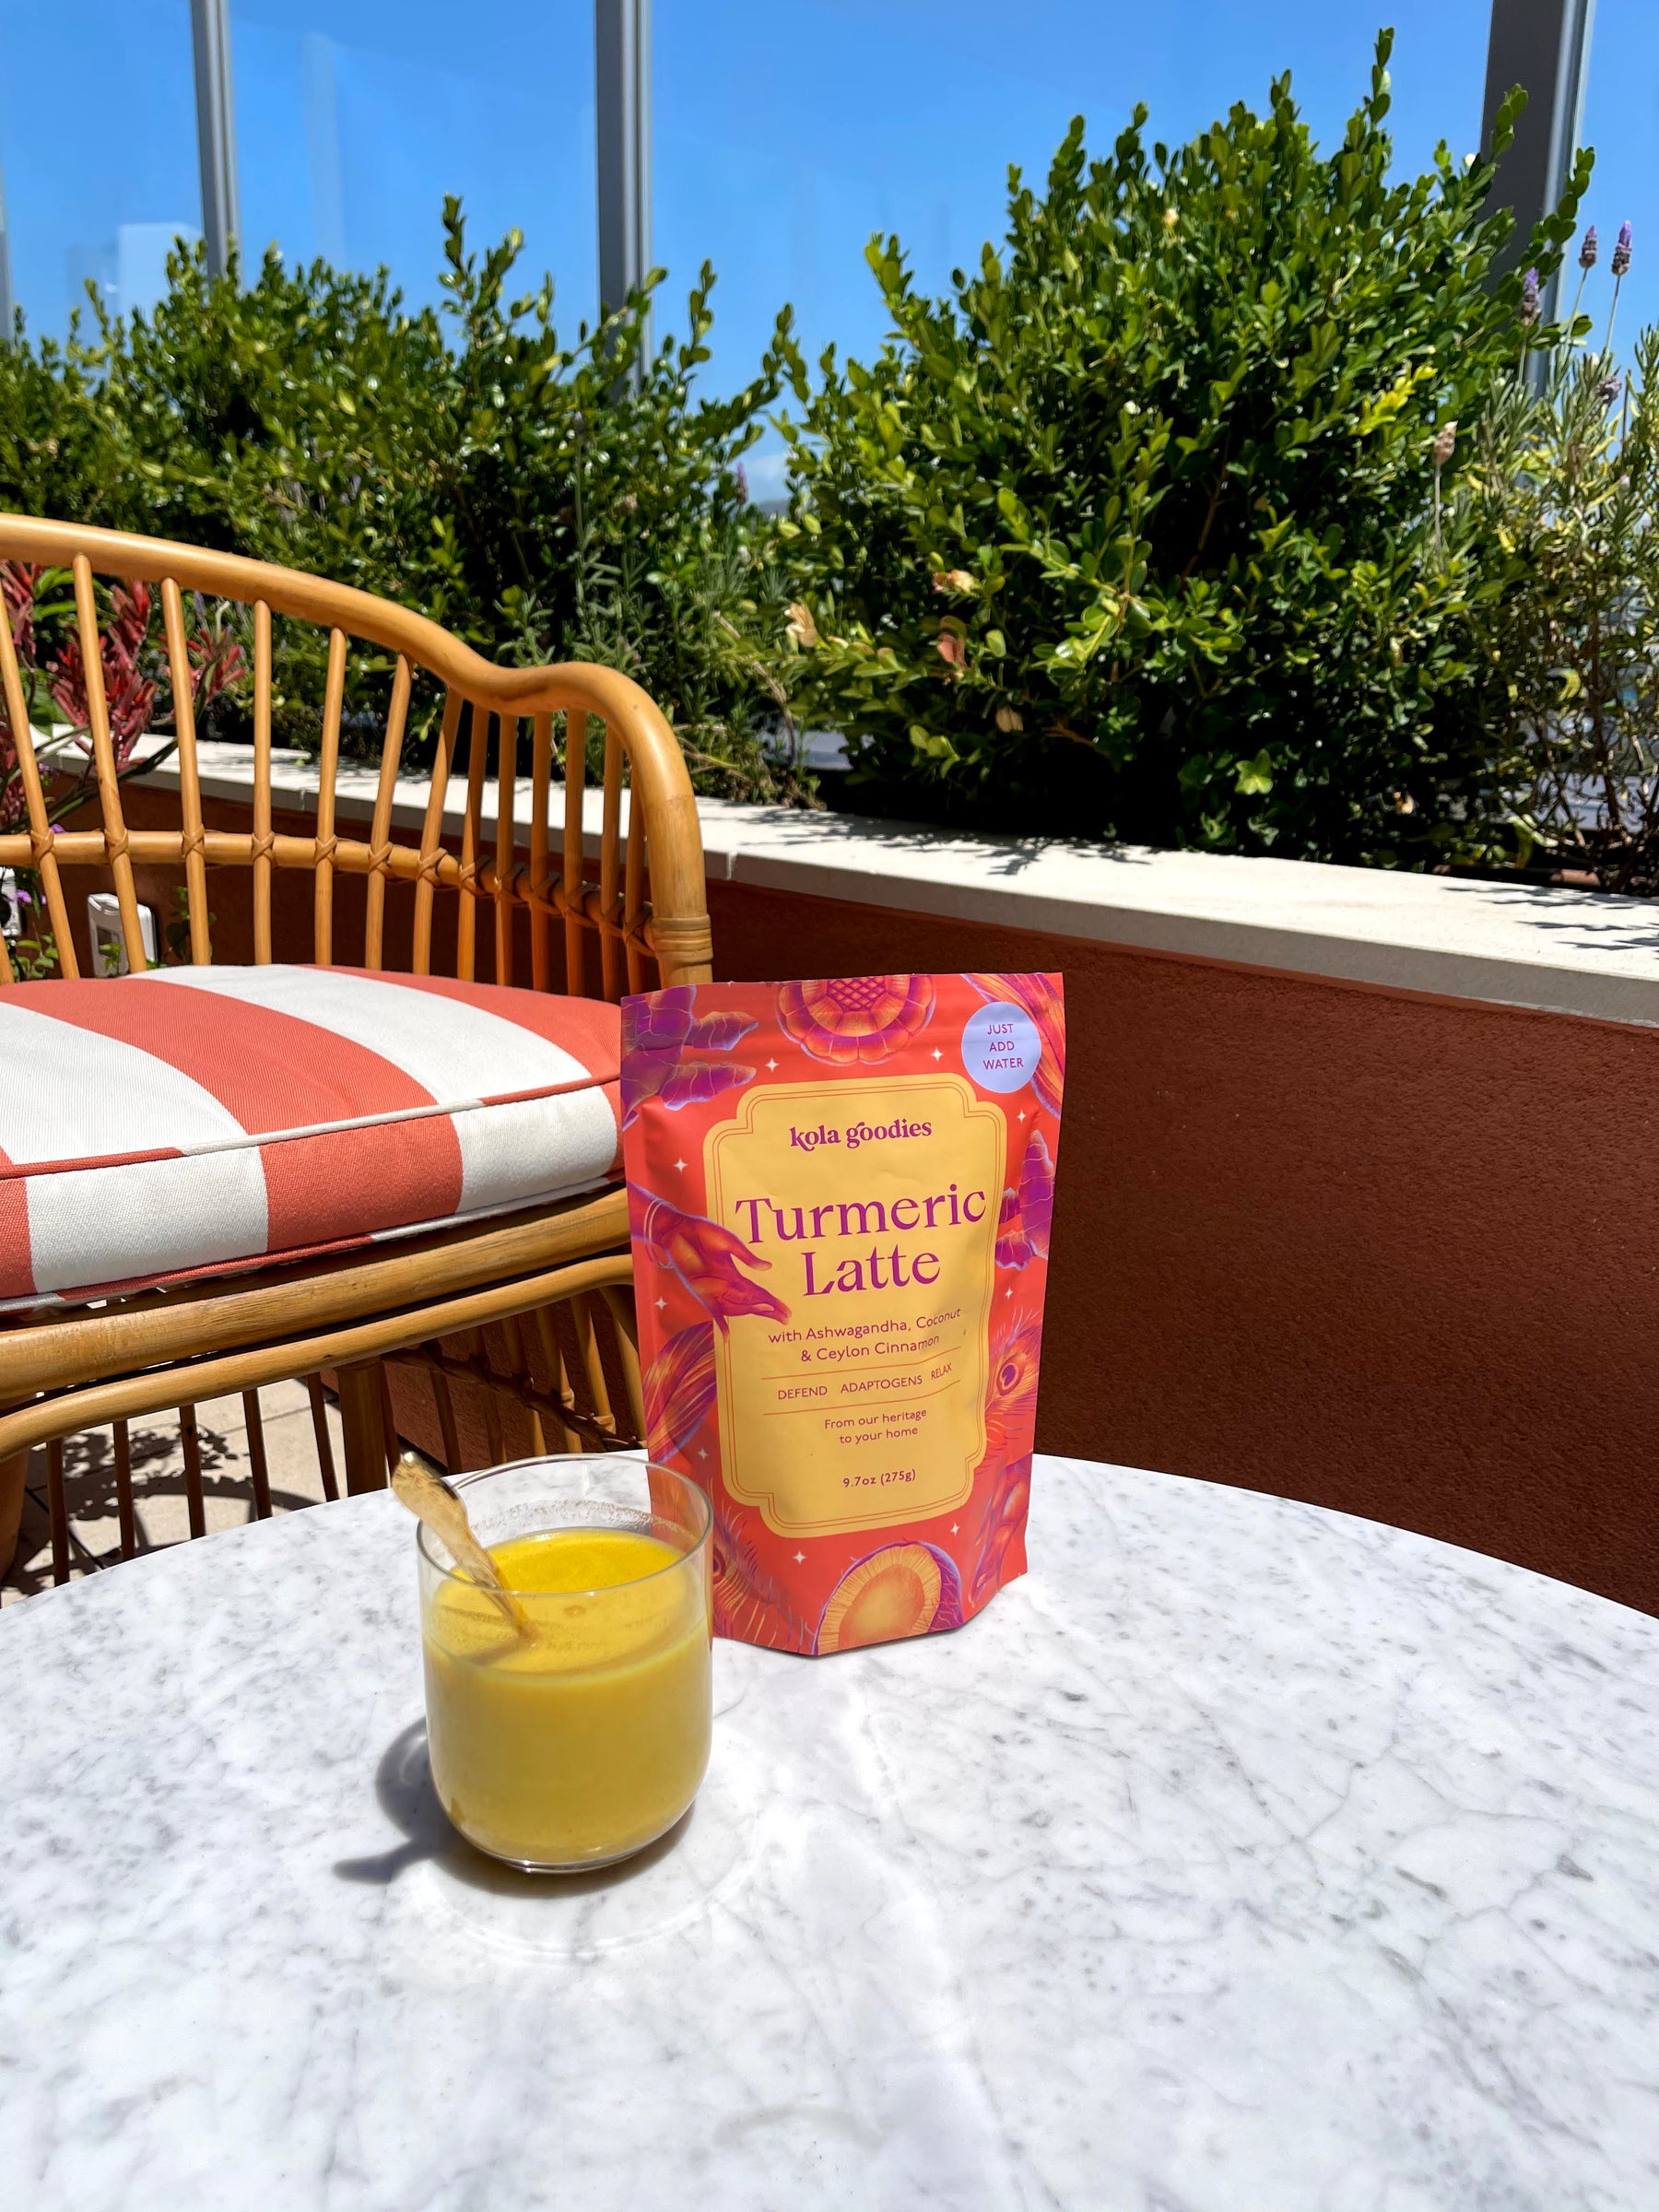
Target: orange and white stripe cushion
(195, 1119)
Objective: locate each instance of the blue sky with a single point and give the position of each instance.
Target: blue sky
(783, 134)
(1621, 121)
(778, 158)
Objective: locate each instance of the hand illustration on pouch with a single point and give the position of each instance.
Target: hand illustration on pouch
(705, 1258)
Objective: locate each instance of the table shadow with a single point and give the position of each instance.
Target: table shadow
(403, 1784)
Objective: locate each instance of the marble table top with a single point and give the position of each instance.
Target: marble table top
(1241, 1858)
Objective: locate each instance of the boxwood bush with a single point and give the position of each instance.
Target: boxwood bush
(1134, 532)
(528, 491)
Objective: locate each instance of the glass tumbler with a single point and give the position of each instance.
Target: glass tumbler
(579, 1735)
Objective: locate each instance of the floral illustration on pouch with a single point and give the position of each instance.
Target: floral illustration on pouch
(705, 1257)
(1027, 1209)
(1039, 998)
(859, 1020)
(660, 1034)
(679, 1389)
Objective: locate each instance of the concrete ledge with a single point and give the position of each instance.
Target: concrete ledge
(1561, 951)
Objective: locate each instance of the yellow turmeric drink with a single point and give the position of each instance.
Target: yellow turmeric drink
(587, 1740)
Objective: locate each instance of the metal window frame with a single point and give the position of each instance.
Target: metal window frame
(215, 130)
(622, 140)
(1544, 45)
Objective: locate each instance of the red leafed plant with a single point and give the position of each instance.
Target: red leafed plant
(53, 685)
(129, 692)
(17, 597)
(216, 660)
(17, 591)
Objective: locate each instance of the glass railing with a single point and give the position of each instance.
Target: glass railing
(98, 151)
(354, 118)
(784, 138)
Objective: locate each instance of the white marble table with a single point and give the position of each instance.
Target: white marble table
(1242, 1858)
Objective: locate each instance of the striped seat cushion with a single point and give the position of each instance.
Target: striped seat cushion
(195, 1120)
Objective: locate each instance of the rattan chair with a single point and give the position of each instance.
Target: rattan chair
(554, 1280)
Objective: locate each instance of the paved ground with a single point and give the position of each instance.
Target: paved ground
(159, 1483)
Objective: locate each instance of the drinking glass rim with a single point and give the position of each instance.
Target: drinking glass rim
(634, 1581)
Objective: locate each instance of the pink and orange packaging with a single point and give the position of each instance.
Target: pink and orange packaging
(840, 1196)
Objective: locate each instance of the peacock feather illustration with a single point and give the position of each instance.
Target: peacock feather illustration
(679, 1389)
(749, 1604)
(1001, 1521)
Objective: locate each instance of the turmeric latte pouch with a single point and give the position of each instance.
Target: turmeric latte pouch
(840, 1195)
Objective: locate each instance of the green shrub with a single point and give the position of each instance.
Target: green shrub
(519, 489)
(1135, 533)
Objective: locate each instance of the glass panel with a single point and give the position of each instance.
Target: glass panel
(355, 117)
(98, 150)
(1621, 121)
(784, 139)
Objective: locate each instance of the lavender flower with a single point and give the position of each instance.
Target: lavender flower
(1608, 391)
(1621, 263)
(1587, 252)
(1531, 306)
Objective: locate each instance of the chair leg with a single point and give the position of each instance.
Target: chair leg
(12, 1473)
(257, 1463)
(446, 1419)
(123, 1490)
(57, 1510)
(319, 1408)
(190, 1436)
(389, 1435)
(360, 1388)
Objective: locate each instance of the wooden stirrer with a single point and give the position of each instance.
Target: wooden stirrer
(430, 1499)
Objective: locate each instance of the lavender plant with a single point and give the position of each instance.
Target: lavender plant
(1564, 483)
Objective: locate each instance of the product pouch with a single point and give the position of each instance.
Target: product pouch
(840, 1195)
